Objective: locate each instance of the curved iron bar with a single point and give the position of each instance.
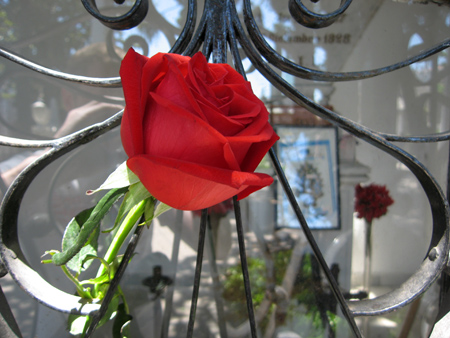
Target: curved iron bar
(129, 20)
(292, 68)
(309, 19)
(188, 29)
(439, 137)
(21, 143)
(11, 254)
(177, 40)
(198, 37)
(436, 258)
(112, 82)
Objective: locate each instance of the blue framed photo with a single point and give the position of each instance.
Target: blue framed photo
(309, 156)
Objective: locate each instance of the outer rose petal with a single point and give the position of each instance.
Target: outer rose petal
(189, 186)
(139, 75)
(130, 73)
(126, 134)
(258, 151)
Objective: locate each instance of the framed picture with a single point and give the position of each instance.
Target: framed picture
(309, 156)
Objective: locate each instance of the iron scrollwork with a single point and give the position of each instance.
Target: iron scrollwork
(129, 20)
(218, 32)
(309, 19)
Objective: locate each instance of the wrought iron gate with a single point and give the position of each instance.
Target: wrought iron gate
(225, 32)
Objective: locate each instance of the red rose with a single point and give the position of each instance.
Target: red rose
(194, 132)
(372, 201)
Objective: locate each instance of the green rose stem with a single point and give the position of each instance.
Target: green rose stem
(80, 289)
(122, 233)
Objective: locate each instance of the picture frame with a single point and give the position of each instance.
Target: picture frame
(309, 157)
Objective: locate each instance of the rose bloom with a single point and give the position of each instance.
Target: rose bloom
(371, 201)
(194, 132)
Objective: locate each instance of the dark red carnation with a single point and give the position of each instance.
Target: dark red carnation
(194, 132)
(371, 201)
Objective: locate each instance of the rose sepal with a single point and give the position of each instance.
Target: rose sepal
(119, 178)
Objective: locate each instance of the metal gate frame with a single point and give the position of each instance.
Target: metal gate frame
(218, 30)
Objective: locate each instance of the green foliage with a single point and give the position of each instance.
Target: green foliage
(80, 244)
(234, 291)
(70, 237)
(234, 283)
(304, 293)
(77, 235)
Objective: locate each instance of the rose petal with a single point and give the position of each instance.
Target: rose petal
(190, 186)
(171, 131)
(230, 74)
(225, 125)
(130, 73)
(175, 89)
(139, 75)
(127, 135)
(258, 151)
(254, 144)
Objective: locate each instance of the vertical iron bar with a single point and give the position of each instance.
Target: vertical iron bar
(244, 265)
(169, 294)
(198, 272)
(216, 283)
(444, 294)
(307, 231)
(116, 280)
(8, 324)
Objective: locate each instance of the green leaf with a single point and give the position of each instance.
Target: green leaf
(136, 193)
(121, 326)
(89, 226)
(151, 212)
(81, 290)
(116, 262)
(161, 208)
(97, 280)
(110, 270)
(71, 234)
(89, 257)
(121, 177)
(78, 324)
